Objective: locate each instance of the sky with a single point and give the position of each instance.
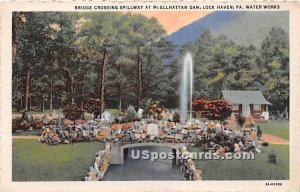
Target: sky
(174, 20)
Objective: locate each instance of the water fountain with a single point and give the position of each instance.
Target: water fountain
(186, 83)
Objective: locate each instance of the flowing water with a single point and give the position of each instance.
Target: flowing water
(139, 170)
(186, 88)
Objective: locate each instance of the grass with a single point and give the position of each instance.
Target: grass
(113, 112)
(277, 128)
(33, 161)
(258, 169)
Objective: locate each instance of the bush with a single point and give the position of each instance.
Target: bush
(272, 157)
(93, 106)
(212, 109)
(131, 114)
(73, 112)
(241, 120)
(176, 117)
(265, 144)
(20, 124)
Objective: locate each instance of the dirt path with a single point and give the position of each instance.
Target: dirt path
(274, 139)
(25, 137)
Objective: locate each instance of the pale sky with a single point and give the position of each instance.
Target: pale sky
(174, 20)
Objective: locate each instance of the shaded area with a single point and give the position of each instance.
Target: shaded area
(141, 169)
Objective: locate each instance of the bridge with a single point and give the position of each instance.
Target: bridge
(117, 149)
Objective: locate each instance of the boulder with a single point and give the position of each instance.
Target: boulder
(191, 131)
(103, 134)
(132, 136)
(170, 136)
(121, 135)
(143, 135)
(192, 136)
(131, 125)
(137, 135)
(167, 131)
(152, 130)
(184, 131)
(179, 136)
(178, 126)
(162, 136)
(197, 131)
(113, 136)
(126, 138)
(140, 131)
(116, 139)
(171, 124)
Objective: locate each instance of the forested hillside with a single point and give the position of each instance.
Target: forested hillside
(121, 59)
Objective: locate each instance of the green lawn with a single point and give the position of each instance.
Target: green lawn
(33, 161)
(258, 169)
(277, 128)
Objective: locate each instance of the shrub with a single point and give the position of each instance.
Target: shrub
(73, 112)
(241, 119)
(212, 109)
(265, 144)
(93, 106)
(131, 114)
(272, 157)
(176, 117)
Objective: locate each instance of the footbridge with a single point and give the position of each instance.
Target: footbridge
(117, 149)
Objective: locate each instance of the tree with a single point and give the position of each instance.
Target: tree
(18, 19)
(99, 35)
(32, 36)
(66, 58)
(274, 63)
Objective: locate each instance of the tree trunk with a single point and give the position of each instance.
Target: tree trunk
(30, 106)
(70, 84)
(83, 91)
(21, 103)
(102, 74)
(15, 33)
(120, 88)
(26, 88)
(51, 95)
(145, 76)
(139, 80)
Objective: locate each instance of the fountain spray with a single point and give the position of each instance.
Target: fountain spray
(186, 82)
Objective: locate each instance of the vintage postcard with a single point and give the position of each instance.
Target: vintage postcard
(150, 96)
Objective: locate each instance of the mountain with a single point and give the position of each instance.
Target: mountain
(243, 27)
